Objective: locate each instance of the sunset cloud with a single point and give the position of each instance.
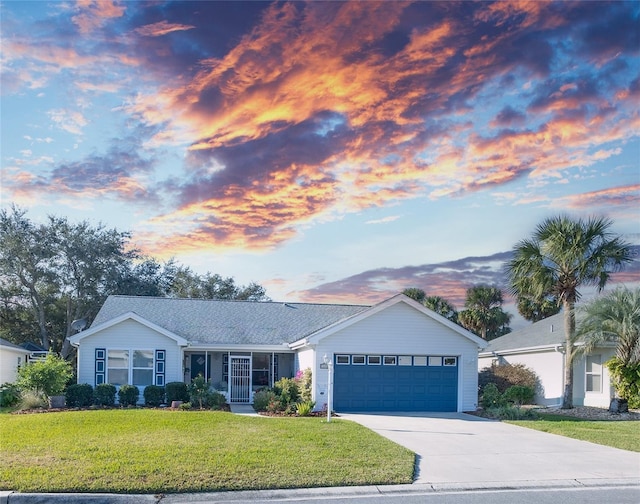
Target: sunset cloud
(243, 126)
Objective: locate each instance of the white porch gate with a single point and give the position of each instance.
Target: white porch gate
(240, 379)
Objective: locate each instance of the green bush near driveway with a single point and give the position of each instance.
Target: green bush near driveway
(154, 451)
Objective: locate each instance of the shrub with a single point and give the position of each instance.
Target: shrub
(105, 394)
(9, 395)
(305, 408)
(506, 412)
(176, 391)
(304, 384)
(216, 400)
(79, 395)
(48, 376)
(185, 406)
(288, 391)
(491, 397)
(519, 395)
(128, 395)
(507, 375)
(32, 399)
(199, 391)
(262, 398)
(153, 395)
(626, 380)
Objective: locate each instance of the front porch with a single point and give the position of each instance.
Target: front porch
(238, 374)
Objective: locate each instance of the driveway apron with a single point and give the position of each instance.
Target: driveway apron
(456, 448)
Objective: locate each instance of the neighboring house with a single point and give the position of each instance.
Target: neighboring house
(11, 358)
(394, 356)
(540, 346)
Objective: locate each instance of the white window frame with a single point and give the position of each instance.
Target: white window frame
(342, 357)
(390, 360)
(450, 364)
(435, 361)
(369, 357)
(405, 360)
(362, 358)
(590, 374)
(109, 368)
(130, 366)
(420, 360)
(133, 368)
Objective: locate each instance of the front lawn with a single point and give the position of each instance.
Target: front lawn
(623, 435)
(154, 451)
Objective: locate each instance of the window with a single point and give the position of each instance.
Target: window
(435, 361)
(389, 360)
(118, 367)
(594, 373)
(373, 360)
(450, 361)
(260, 369)
(419, 360)
(342, 359)
(142, 367)
(358, 360)
(404, 360)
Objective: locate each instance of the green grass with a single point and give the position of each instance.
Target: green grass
(623, 435)
(154, 451)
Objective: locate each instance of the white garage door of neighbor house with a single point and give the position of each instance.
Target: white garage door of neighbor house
(395, 383)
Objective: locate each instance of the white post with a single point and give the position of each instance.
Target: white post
(329, 363)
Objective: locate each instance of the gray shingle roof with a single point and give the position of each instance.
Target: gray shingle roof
(207, 321)
(549, 331)
(8, 344)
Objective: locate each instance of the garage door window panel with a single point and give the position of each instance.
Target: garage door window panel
(374, 360)
(419, 360)
(358, 360)
(404, 360)
(342, 360)
(390, 360)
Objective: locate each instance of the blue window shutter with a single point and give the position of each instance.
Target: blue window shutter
(160, 367)
(100, 365)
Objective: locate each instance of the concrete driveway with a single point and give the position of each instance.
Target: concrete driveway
(456, 448)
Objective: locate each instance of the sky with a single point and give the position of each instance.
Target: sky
(329, 151)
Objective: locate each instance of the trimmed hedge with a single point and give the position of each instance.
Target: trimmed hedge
(128, 395)
(153, 395)
(105, 394)
(176, 391)
(79, 395)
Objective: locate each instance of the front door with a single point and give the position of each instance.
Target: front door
(240, 379)
(201, 366)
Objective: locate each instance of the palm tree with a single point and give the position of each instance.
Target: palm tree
(442, 307)
(415, 293)
(484, 315)
(562, 256)
(614, 317)
(537, 309)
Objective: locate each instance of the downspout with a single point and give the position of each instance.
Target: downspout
(560, 349)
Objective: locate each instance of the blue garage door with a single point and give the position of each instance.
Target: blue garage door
(395, 383)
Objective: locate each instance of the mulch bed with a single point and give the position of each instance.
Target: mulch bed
(581, 412)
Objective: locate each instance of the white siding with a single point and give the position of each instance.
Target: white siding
(131, 335)
(580, 395)
(9, 363)
(548, 365)
(402, 330)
